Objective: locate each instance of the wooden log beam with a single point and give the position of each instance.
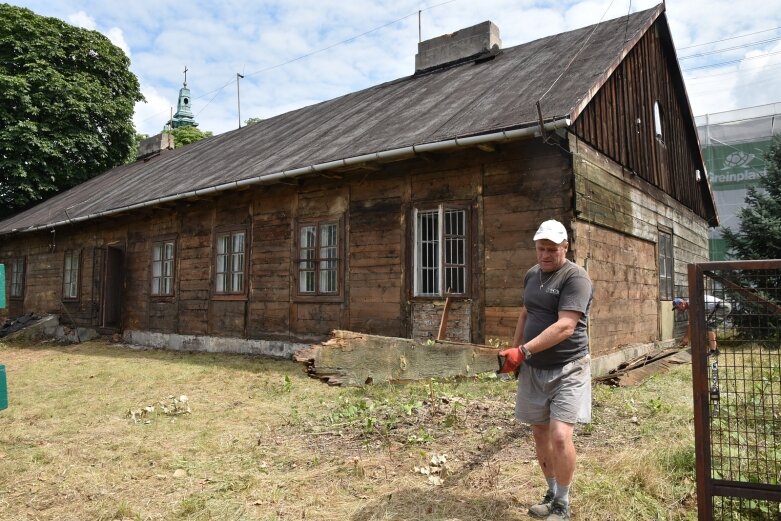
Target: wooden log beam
(357, 359)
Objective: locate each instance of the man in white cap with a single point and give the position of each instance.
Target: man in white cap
(550, 352)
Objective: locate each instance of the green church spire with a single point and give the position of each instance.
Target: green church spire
(184, 115)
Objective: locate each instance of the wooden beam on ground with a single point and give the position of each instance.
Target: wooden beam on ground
(638, 370)
(357, 359)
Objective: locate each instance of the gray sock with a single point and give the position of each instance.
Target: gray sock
(562, 494)
(551, 485)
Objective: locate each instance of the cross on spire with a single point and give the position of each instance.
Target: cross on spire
(185, 75)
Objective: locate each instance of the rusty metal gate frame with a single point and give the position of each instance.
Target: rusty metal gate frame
(705, 374)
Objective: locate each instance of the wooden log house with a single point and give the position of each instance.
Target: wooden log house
(365, 212)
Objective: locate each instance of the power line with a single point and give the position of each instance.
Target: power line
(731, 61)
(583, 46)
(730, 38)
(730, 48)
(733, 72)
(348, 40)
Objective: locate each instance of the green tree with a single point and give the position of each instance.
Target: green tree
(252, 121)
(66, 105)
(187, 134)
(759, 237)
(137, 139)
(759, 233)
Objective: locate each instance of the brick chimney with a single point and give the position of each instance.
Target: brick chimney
(472, 43)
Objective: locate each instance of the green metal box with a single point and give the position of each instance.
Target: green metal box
(3, 389)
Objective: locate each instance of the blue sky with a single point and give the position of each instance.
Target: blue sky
(295, 53)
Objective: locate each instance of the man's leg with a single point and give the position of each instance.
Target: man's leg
(562, 454)
(712, 340)
(541, 433)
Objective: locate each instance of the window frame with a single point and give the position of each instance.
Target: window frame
(231, 230)
(12, 282)
(666, 260)
(318, 295)
(442, 265)
(158, 241)
(73, 254)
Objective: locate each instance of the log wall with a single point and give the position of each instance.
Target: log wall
(619, 217)
(507, 192)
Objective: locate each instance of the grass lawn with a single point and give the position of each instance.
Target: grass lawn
(99, 431)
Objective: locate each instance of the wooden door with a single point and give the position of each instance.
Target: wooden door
(112, 289)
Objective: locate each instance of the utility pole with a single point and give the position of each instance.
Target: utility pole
(238, 95)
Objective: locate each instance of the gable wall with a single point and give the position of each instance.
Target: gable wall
(619, 122)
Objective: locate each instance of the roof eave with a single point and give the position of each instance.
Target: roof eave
(526, 131)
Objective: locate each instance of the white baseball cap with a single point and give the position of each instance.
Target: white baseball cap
(552, 230)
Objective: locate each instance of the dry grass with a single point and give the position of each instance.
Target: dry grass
(265, 442)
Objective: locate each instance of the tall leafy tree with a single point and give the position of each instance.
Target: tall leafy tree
(66, 106)
(188, 134)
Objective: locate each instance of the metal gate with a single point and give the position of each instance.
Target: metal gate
(737, 388)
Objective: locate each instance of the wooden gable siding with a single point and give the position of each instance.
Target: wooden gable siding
(609, 122)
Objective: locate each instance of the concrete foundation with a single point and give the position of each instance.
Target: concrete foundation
(213, 344)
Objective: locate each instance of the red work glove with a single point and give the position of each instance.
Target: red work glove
(510, 360)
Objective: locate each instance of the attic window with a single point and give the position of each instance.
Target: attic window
(658, 121)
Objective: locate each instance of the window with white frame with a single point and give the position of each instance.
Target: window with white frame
(230, 262)
(17, 278)
(441, 251)
(666, 275)
(70, 275)
(318, 259)
(163, 256)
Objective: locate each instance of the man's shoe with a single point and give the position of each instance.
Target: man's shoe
(558, 512)
(542, 510)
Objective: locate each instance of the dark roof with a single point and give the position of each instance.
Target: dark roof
(471, 98)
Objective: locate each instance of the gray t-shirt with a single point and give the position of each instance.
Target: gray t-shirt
(545, 294)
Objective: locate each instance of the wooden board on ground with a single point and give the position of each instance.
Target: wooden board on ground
(350, 358)
(639, 369)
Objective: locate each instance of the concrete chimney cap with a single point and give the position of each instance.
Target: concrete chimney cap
(457, 46)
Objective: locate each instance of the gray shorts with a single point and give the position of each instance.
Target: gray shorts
(562, 393)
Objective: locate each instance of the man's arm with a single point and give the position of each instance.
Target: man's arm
(518, 336)
(557, 332)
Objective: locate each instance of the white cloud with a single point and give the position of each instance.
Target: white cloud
(217, 40)
(114, 34)
(82, 19)
(150, 117)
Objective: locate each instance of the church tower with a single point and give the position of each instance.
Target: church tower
(184, 115)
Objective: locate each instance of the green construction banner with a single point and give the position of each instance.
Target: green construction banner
(2, 285)
(735, 166)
